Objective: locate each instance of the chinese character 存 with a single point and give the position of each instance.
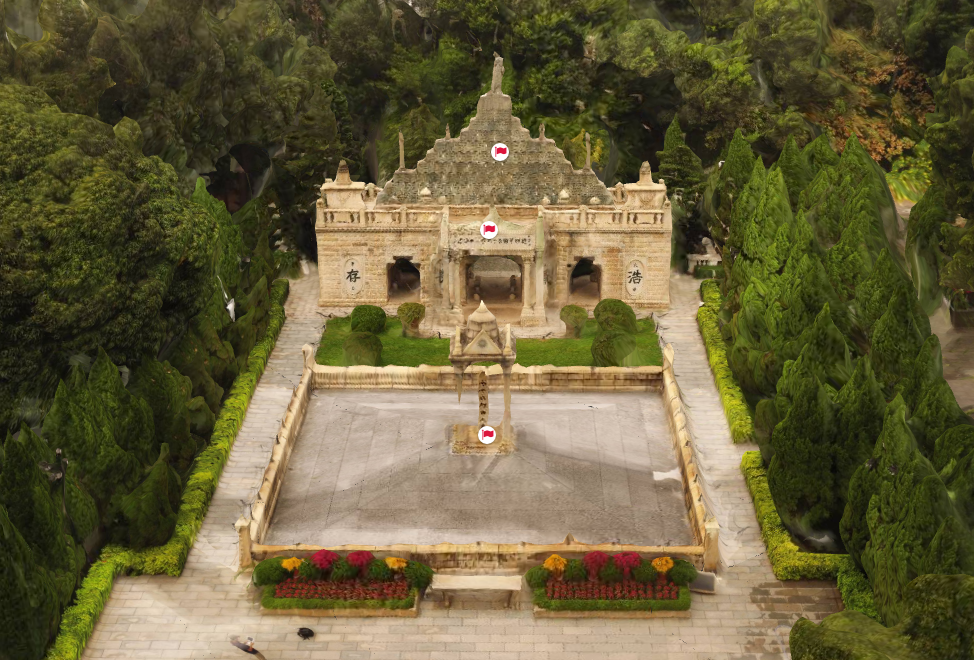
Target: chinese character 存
(635, 277)
(352, 275)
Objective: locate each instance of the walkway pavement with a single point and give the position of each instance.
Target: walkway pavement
(192, 616)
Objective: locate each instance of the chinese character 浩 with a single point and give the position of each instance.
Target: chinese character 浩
(635, 277)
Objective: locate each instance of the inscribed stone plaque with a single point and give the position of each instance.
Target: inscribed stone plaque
(635, 274)
(352, 275)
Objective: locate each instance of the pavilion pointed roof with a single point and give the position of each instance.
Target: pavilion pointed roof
(461, 170)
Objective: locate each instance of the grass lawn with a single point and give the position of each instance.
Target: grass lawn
(560, 352)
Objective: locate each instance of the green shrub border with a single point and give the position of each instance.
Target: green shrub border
(78, 620)
(731, 396)
(268, 602)
(681, 603)
(787, 561)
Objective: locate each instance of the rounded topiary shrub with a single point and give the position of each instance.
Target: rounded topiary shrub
(419, 576)
(411, 315)
(645, 572)
(682, 573)
(367, 318)
(611, 347)
(379, 571)
(613, 314)
(342, 570)
(270, 571)
(575, 571)
(309, 570)
(537, 577)
(610, 573)
(574, 318)
(362, 348)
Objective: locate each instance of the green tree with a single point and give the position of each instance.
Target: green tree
(67, 284)
(930, 398)
(819, 154)
(874, 293)
(726, 185)
(896, 339)
(924, 237)
(29, 612)
(800, 474)
(680, 167)
(953, 458)
(860, 409)
(795, 170)
(149, 512)
(912, 526)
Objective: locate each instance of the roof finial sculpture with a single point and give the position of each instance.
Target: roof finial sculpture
(541, 132)
(498, 78)
(448, 131)
(402, 152)
(343, 177)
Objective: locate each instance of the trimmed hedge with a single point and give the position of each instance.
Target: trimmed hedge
(368, 318)
(613, 314)
(681, 603)
(574, 318)
(411, 314)
(787, 561)
(731, 395)
(78, 621)
(268, 601)
(362, 348)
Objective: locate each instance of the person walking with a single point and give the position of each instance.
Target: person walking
(246, 647)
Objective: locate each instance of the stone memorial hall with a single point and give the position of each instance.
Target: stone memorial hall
(497, 215)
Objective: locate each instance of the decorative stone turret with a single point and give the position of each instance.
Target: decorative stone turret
(343, 193)
(645, 193)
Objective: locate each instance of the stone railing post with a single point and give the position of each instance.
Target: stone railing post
(711, 548)
(243, 542)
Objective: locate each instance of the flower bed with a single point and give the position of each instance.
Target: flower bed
(625, 582)
(359, 584)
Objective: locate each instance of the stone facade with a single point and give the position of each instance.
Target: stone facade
(550, 217)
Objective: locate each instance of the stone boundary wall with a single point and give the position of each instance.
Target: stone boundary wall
(523, 379)
(704, 525)
(252, 530)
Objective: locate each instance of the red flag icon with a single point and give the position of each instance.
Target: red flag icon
(488, 434)
(490, 228)
(500, 151)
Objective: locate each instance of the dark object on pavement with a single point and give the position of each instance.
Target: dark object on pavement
(306, 633)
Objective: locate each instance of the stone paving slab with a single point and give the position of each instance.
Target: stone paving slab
(192, 616)
(375, 468)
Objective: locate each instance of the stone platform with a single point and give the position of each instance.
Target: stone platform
(375, 468)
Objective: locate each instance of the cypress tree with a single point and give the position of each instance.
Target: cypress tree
(797, 174)
(896, 339)
(849, 260)
(33, 506)
(914, 528)
(822, 201)
(77, 424)
(130, 416)
(874, 293)
(860, 408)
(745, 206)
(819, 155)
(826, 348)
(953, 458)
(680, 167)
(29, 610)
(800, 474)
(149, 511)
(730, 180)
(167, 393)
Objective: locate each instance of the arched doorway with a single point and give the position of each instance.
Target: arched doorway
(403, 280)
(585, 282)
(495, 280)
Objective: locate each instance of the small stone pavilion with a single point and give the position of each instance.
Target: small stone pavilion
(561, 236)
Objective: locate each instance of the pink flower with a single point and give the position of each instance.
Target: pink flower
(323, 559)
(360, 558)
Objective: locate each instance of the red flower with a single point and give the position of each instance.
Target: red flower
(360, 558)
(593, 562)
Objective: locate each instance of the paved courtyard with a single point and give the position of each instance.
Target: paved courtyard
(192, 616)
(374, 468)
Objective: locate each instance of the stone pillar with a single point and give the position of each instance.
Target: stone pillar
(244, 542)
(539, 301)
(506, 424)
(527, 285)
(457, 281)
(482, 395)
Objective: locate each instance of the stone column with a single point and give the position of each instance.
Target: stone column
(539, 301)
(527, 285)
(458, 280)
(507, 398)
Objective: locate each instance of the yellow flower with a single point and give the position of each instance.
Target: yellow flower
(555, 564)
(291, 563)
(396, 563)
(662, 564)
